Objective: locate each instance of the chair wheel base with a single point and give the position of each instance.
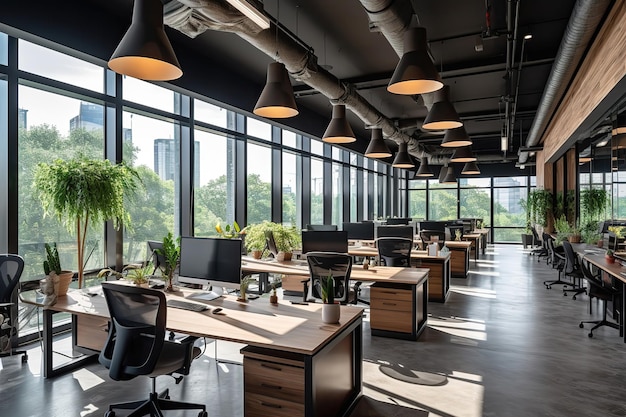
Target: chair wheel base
(581, 325)
(203, 414)
(590, 334)
(109, 414)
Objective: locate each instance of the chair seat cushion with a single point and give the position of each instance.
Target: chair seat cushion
(172, 358)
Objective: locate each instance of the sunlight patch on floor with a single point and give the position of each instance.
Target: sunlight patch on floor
(475, 292)
(468, 330)
(485, 273)
(460, 396)
(87, 379)
(89, 410)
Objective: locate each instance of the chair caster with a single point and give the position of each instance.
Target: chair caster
(109, 414)
(564, 294)
(548, 287)
(574, 297)
(590, 334)
(25, 359)
(581, 326)
(203, 414)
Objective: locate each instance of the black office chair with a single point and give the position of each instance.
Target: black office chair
(158, 259)
(604, 290)
(429, 236)
(136, 346)
(321, 265)
(394, 251)
(542, 250)
(572, 269)
(557, 260)
(11, 268)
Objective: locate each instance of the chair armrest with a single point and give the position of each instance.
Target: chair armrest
(6, 304)
(189, 354)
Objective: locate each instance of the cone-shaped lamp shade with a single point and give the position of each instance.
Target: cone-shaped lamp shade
(619, 126)
(424, 169)
(455, 138)
(415, 73)
(377, 147)
(442, 114)
(276, 100)
(145, 52)
(339, 130)
(402, 159)
(463, 154)
(450, 177)
(442, 173)
(470, 168)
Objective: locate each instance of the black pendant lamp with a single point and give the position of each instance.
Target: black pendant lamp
(377, 147)
(402, 159)
(463, 154)
(424, 169)
(145, 51)
(470, 168)
(339, 130)
(276, 100)
(442, 114)
(415, 73)
(450, 177)
(455, 138)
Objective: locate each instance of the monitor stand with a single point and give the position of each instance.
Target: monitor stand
(208, 294)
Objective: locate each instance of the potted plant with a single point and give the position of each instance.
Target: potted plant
(52, 268)
(527, 236)
(228, 232)
(82, 192)
(610, 256)
(255, 239)
(140, 276)
(287, 239)
(171, 252)
(273, 295)
(330, 310)
(243, 287)
(562, 228)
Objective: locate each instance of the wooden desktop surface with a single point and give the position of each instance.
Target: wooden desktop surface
(415, 254)
(286, 327)
(411, 276)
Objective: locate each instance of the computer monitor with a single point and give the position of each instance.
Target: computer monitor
(270, 243)
(398, 221)
(321, 227)
(395, 231)
(210, 262)
(158, 259)
(359, 231)
(325, 241)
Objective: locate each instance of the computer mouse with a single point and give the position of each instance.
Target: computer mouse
(216, 310)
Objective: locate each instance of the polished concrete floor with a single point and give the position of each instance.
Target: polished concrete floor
(502, 345)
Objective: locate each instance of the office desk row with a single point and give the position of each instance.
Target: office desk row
(290, 352)
(399, 296)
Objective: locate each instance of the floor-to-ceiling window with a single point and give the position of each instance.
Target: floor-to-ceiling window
(317, 191)
(417, 199)
(475, 199)
(291, 188)
(509, 217)
(259, 182)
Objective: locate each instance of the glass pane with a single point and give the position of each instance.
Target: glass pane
(475, 182)
(292, 192)
(61, 67)
(353, 194)
(366, 212)
(214, 182)
(210, 113)
(442, 205)
(417, 204)
(619, 201)
(289, 139)
(317, 191)
(148, 94)
(376, 196)
(337, 209)
(4, 49)
(507, 182)
(259, 183)
(476, 202)
(317, 147)
(417, 184)
(507, 210)
(353, 158)
(44, 136)
(508, 235)
(152, 146)
(259, 129)
(337, 152)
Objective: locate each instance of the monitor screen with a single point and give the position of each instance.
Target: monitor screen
(325, 241)
(321, 227)
(398, 221)
(210, 261)
(359, 231)
(395, 231)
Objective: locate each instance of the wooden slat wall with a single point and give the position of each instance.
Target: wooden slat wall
(540, 174)
(603, 67)
(571, 173)
(559, 176)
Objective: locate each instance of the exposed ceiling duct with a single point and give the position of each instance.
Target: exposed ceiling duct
(581, 27)
(193, 17)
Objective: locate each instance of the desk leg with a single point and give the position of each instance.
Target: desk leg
(49, 370)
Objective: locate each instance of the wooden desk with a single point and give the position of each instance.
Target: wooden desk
(399, 297)
(288, 345)
(459, 257)
(475, 239)
(439, 270)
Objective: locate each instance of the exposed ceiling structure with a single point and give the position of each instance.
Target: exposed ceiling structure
(346, 51)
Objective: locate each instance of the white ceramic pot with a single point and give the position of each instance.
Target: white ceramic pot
(331, 313)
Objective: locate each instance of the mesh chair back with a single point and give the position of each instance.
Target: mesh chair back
(571, 264)
(11, 268)
(321, 265)
(137, 333)
(395, 251)
(596, 286)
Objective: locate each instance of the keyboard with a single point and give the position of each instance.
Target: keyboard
(185, 305)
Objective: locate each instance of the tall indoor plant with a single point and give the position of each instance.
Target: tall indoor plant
(82, 192)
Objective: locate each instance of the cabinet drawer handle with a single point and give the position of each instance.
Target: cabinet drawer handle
(389, 304)
(263, 384)
(389, 292)
(264, 404)
(276, 368)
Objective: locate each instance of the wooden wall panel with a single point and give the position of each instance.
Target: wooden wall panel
(540, 169)
(603, 67)
(559, 175)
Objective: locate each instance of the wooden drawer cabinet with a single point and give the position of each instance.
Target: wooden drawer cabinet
(273, 387)
(396, 310)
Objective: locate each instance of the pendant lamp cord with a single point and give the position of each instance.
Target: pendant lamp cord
(277, 20)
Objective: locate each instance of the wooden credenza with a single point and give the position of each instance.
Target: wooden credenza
(398, 310)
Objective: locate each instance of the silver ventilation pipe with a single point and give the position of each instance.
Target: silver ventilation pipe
(585, 18)
(193, 17)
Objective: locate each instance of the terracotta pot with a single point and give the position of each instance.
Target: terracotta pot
(283, 256)
(65, 279)
(331, 313)
(256, 254)
(609, 259)
(600, 243)
(273, 299)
